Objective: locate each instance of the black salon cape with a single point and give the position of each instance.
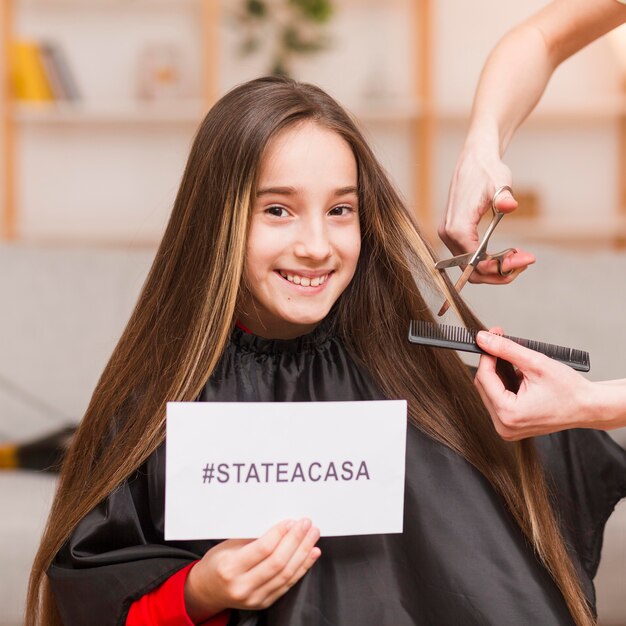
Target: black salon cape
(461, 560)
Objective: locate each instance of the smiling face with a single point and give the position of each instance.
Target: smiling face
(304, 239)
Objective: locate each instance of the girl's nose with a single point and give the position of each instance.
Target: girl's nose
(313, 241)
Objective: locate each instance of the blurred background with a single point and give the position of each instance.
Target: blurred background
(99, 102)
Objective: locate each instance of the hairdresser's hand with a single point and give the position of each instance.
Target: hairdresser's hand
(478, 173)
(251, 574)
(551, 397)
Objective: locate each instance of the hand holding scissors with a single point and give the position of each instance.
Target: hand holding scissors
(472, 259)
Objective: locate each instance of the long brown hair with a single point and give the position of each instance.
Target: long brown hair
(187, 307)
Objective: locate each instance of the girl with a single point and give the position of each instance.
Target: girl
(288, 272)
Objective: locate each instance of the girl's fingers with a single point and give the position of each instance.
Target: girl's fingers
(306, 566)
(259, 550)
(279, 568)
(302, 561)
(276, 562)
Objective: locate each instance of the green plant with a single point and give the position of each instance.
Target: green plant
(288, 27)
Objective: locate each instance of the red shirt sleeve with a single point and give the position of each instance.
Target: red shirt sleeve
(165, 605)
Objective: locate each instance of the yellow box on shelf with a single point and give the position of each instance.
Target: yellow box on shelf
(28, 75)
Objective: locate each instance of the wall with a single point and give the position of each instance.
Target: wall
(570, 160)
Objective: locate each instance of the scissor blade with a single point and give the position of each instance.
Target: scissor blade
(463, 278)
(462, 259)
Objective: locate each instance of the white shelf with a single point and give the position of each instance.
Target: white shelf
(388, 111)
(108, 4)
(191, 111)
(566, 232)
(591, 111)
(132, 112)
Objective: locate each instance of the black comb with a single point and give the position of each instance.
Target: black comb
(459, 338)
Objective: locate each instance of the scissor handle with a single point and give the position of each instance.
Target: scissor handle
(497, 216)
(499, 190)
(499, 257)
(482, 247)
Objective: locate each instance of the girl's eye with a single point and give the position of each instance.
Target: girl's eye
(277, 211)
(340, 210)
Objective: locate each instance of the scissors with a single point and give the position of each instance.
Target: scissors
(472, 259)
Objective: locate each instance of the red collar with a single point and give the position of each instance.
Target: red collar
(242, 327)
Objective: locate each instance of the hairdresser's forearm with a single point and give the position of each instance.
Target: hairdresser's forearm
(520, 66)
(607, 404)
(512, 81)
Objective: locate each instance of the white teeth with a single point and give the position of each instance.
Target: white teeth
(304, 280)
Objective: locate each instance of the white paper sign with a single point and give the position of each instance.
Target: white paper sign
(234, 469)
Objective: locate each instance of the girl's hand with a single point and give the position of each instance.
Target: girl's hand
(251, 574)
(475, 180)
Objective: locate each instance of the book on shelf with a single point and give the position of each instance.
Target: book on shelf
(58, 71)
(28, 75)
(40, 72)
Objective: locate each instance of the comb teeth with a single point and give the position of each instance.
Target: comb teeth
(460, 338)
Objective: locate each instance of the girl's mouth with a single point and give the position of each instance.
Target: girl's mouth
(305, 281)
